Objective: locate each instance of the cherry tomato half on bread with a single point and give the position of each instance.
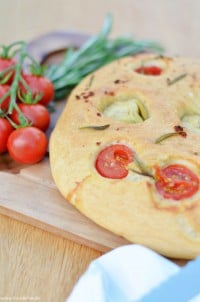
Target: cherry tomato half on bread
(149, 70)
(36, 114)
(39, 86)
(27, 145)
(112, 161)
(4, 64)
(5, 131)
(176, 182)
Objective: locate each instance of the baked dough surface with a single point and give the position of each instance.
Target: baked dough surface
(131, 207)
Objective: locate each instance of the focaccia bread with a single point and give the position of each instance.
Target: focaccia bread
(126, 151)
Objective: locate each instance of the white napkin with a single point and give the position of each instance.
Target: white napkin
(125, 274)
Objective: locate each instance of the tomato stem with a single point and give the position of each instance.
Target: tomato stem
(35, 68)
(27, 98)
(23, 120)
(4, 53)
(6, 49)
(17, 68)
(21, 43)
(14, 52)
(6, 78)
(10, 68)
(25, 84)
(4, 97)
(14, 87)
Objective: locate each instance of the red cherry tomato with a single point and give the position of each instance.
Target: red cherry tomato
(176, 182)
(36, 114)
(39, 86)
(149, 70)
(5, 63)
(27, 145)
(112, 161)
(5, 131)
(4, 105)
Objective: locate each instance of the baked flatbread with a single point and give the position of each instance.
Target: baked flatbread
(126, 151)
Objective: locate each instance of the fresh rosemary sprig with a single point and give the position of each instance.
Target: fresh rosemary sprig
(96, 52)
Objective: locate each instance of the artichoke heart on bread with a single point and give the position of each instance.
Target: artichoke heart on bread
(127, 111)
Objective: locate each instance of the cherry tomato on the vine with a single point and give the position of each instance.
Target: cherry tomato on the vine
(36, 114)
(27, 145)
(5, 131)
(39, 86)
(3, 90)
(112, 161)
(4, 64)
(176, 182)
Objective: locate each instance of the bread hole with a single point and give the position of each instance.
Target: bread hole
(127, 111)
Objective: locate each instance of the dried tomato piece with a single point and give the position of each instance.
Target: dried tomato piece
(149, 70)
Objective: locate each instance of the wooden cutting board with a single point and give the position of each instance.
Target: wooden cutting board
(28, 193)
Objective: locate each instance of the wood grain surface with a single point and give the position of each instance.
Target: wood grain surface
(29, 194)
(35, 263)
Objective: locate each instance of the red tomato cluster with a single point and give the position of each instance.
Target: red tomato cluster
(25, 143)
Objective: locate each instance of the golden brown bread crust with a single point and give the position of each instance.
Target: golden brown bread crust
(131, 206)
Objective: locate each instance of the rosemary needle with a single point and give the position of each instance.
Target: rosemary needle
(103, 127)
(178, 78)
(165, 136)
